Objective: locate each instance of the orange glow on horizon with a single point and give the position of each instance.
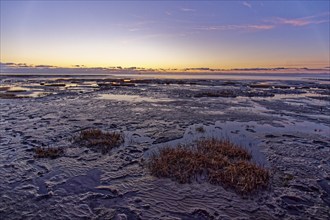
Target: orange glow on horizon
(242, 65)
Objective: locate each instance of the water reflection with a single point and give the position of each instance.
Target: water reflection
(17, 89)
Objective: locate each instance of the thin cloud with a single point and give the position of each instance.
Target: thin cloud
(14, 65)
(135, 29)
(45, 66)
(299, 22)
(135, 26)
(26, 69)
(8, 64)
(168, 13)
(304, 21)
(188, 9)
(248, 27)
(270, 24)
(247, 4)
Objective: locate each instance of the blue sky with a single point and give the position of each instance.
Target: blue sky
(166, 34)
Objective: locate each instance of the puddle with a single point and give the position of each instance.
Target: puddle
(248, 135)
(54, 84)
(23, 92)
(68, 85)
(34, 94)
(17, 89)
(132, 98)
(136, 138)
(43, 89)
(234, 131)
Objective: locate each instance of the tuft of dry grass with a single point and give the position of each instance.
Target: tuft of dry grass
(200, 129)
(262, 86)
(215, 94)
(212, 146)
(179, 163)
(242, 176)
(4, 88)
(220, 161)
(48, 152)
(99, 140)
(8, 96)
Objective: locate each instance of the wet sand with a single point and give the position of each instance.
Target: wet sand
(284, 123)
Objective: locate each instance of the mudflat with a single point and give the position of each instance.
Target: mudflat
(284, 124)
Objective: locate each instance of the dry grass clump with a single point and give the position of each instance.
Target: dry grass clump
(4, 88)
(215, 94)
(225, 148)
(220, 162)
(243, 176)
(178, 163)
(48, 152)
(99, 140)
(262, 86)
(200, 129)
(8, 96)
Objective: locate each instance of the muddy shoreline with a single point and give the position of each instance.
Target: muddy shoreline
(285, 124)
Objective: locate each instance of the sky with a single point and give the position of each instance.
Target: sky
(166, 34)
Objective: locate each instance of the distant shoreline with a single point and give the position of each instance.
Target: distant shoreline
(160, 75)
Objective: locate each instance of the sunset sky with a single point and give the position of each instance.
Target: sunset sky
(166, 34)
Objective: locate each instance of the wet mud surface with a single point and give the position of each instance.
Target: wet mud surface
(285, 124)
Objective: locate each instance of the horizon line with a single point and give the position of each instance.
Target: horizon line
(11, 67)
